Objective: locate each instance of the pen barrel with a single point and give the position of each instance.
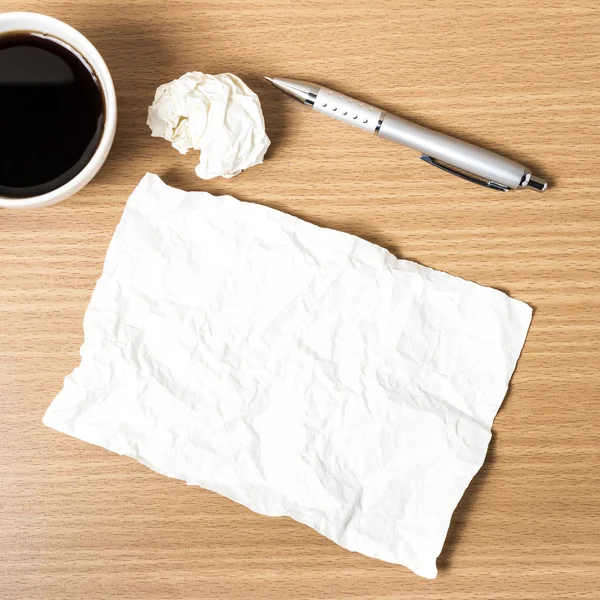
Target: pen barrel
(459, 154)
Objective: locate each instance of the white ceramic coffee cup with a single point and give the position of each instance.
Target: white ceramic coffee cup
(34, 22)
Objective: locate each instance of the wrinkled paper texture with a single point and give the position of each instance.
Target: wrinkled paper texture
(216, 114)
(297, 370)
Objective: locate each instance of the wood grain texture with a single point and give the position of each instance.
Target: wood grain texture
(520, 78)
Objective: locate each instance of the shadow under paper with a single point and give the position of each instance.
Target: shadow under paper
(461, 516)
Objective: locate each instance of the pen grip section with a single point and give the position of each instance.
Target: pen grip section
(348, 110)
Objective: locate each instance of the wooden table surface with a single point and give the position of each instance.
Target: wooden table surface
(520, 78)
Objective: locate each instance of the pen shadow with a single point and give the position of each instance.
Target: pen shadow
(489, 144)
(462, 513)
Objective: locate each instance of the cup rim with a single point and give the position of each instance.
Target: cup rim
(40, 23)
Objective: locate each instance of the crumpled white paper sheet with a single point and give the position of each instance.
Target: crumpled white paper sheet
(297, 370)
(216, 114)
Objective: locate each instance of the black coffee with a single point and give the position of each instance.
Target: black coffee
(51, 114)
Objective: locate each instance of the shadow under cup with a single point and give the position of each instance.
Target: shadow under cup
(58, 108)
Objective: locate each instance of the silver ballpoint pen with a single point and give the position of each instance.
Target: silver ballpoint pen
(460, 158)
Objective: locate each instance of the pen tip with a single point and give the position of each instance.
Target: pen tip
(269, 79)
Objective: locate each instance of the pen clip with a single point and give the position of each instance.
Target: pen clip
(464, 175)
